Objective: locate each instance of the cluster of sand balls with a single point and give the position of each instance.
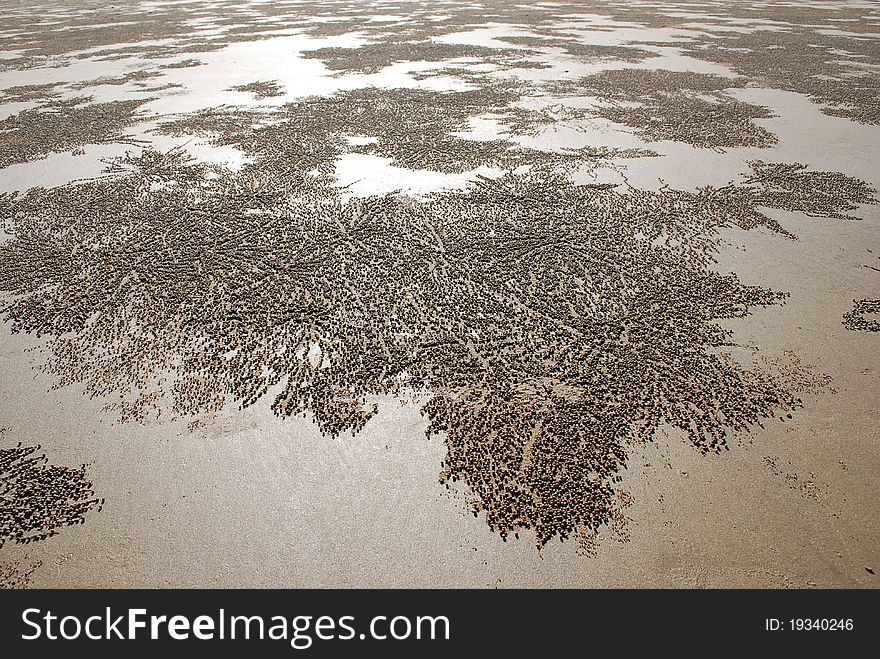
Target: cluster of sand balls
(37, 499)
(28, 93)
(261, 89)
(552, 323)
(414, 128)
(674, 105)
(793, 187)
(62, 126)
(834, 70)
(809, 56)
(16, 574)
(855, 319)
(374, 57)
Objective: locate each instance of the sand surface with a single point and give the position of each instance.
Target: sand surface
(466, 402)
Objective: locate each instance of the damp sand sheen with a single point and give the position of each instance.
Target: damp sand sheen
(439, 294)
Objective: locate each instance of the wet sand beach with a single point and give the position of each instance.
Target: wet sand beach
(439, 294)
